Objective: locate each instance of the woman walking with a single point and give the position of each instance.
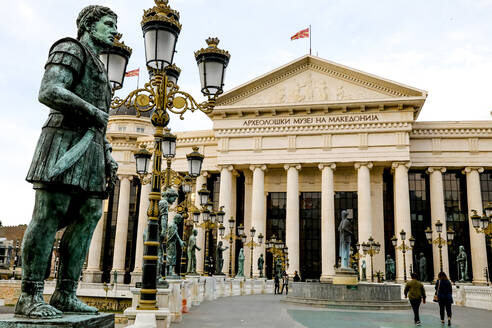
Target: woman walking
(444, 294)
(415, 292)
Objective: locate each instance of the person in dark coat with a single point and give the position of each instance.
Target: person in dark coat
(415, 292)
(444, 292)
(285, 283)
(277, 285)
(296, 277)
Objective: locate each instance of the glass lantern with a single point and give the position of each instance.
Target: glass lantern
(169, 145)
(260, 238)
(231, 223)
(195, 160)
(475, 219)
(161, 28)
(252, 232)
(450, 234)
(221, 230)
(203, 194)
(394, 241)
(220, 214)
(187, 184)
(212, 63)
(439, 226)
(115, 60)
(240, 230)
(142, 160)
(403, 234)
(428, 233)
(412, 241)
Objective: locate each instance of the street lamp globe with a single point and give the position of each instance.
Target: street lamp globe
(205, 215)
(221, 230)
(450, 234)
(231, 223)
(488, 210)
(115, 60)
(252, 232)
(220, 214)
(196, 216)
(172, 72)
(394, 241)
(260, 238)
(142, 160)
(209, 205)
(240, 230)
(213, 216)
(243, 238)
(203, 194)
(169, 145)
(161, 27)
(195, 160)
(274, 238)
(439, 226)
(412, 241)
(403, 234)
(428, 233)
(484, 221)
(187, 185)
(475, 219)
(212, 63)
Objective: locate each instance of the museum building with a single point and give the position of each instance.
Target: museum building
(290, 150)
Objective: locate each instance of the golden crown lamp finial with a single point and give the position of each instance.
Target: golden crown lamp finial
(212, 42)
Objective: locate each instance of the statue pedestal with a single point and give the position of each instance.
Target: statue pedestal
(345, 276)
(102, 320)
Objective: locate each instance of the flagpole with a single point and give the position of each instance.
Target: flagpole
(138, 76)
(310, 32)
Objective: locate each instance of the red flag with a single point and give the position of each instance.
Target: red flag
(301, 34)
(135, 72)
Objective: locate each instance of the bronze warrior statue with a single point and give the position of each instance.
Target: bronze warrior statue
(72, 170)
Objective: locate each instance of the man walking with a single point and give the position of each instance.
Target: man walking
(415, 292)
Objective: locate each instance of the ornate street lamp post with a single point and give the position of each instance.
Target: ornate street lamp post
(251, 244)
(161, 95)
(439, 241)
(278, 250)
(404, 248)
(231, 237)
(371, 248)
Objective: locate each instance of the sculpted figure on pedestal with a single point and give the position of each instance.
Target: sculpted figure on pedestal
(278, 267)
(168, 197)
(390, 268)
(219, 259)
(345, 234)
(192, 247)
(72, 169)
(462, 262)
(363, 267)
(423, 267)
(240, 261)
(173, 239)
(261, 261)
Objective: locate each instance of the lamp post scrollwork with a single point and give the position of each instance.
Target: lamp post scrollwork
(439, 241)
(403, 248)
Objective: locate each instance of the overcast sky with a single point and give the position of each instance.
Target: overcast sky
(443, 47)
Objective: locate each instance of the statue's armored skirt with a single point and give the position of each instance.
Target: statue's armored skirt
(65, 128)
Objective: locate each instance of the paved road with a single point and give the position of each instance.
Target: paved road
(266, 311)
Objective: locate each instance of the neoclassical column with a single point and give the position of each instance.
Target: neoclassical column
(438, 212)
(225, 199)
(364, 203)
(258, 213)
(200, 238)
(121, 228)
(328, 247)
(292, 217)
(93, 272)
(478, 247)
(142, 223)
(402, 215)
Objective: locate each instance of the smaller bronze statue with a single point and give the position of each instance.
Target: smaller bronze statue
(240, 270)
(423, 267)
(261, 261)
(192, 247)
(462, 262)
(169, 196)
(173, 239)
(390, 268)
(363, 267)
(345, 234)
(219, 259)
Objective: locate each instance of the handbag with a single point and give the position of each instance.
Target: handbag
(436, 298)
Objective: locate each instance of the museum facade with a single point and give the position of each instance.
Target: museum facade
(290, 150)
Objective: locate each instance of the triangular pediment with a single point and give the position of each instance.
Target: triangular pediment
(314, 80)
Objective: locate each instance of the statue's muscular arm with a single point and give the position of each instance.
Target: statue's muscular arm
(55, 93)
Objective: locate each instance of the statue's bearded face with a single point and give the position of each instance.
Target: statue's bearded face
(104, 30)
